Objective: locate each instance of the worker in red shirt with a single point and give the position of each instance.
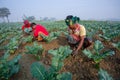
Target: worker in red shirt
(39, 31)
(26, 27)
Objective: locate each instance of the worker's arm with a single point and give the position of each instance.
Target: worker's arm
(80, 45)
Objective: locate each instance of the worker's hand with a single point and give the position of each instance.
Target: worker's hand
(40, 38)
(75, 52)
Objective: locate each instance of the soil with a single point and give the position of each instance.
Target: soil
(81, 67)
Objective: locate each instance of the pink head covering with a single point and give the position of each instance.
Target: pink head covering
(26, 22)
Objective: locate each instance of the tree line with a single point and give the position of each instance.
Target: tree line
(5, 12)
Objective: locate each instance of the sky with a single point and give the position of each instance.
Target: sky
(85, 9)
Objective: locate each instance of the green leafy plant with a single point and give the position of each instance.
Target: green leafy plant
(62, 52)
(64, 76)
(39, 71)
(117, 45)
(96, 55)
(8, 67)
(52, 36)
(59, 55)
(103, 75)
(35, 50)
(109, 35)
(12, 46)
(28, 39)
(104, 37)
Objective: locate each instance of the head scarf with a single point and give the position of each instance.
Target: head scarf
(70, 20)
(26, 22)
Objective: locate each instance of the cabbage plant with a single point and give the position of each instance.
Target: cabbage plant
(95, 53)
(41, 72)
(8, 67)
(36, 50)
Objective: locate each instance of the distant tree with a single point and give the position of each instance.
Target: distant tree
(4, 12)
(30, 18)
(45, 19)
(52, 19)
(40, 18)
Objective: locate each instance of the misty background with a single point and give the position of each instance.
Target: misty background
(59, 9)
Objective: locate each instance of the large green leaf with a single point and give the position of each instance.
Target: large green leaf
(104, 37)
(107, 53)
(98, 57)
(64, 76)
(5, 56)
(52, 36)
(14, 69)
(15, 60)
(9, 67)
(67, 51)
(38, 71)
(62, 52)
(98, 46)
(88, 53)
(117, 45)
(53, 52)
(36, 50)
(28, 39)
(103, 75)
(57, 63)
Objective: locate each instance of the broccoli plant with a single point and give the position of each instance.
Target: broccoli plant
(97, 56)
(35, 50)
(8, 67)
(39, 71)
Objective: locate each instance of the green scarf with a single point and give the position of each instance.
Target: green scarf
(72, 20)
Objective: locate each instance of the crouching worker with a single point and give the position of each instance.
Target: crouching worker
(77, 34)
(39, 31)
(26, 27)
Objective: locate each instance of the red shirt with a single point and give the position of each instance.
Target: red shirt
(40, 28)
(25, 26)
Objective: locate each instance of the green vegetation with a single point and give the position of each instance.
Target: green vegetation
(35, 50)
(11, 37)
(8, 67)
(103, 75)
(95, 53)
(40, 72)
(28, 39)
(117, 45)
(52, 36)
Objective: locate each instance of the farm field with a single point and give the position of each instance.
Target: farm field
(22, 58)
